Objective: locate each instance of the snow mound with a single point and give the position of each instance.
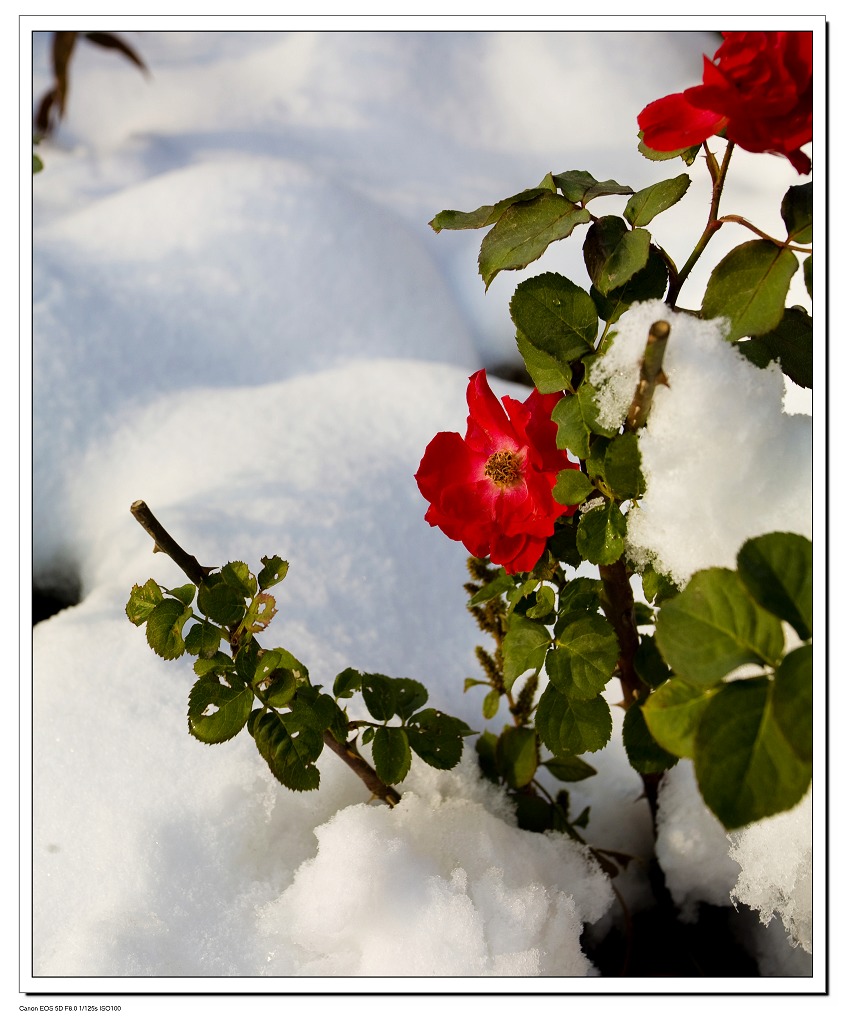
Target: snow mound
(692, 847)
(437, 887)
(776, 877)
(220, 274)
(715, 476)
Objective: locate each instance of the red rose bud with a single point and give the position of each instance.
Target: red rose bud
(492, 490)
(757, 92)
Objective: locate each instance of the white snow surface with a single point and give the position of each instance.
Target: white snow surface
(715, 475)
(241, 317)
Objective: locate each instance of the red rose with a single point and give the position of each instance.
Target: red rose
(757, 91)
(492, 490)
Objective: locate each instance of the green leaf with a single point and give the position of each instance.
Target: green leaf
(437, 738)
(584, 656)
(278, 675)
(569, 768)
(280, 692)
(454, 220)
(164, 628)
(516, 756)
(581, 186)
(645, 205)
(622, 467)
(572, 487)
(648, 663)
(790, 343)
(218, 664)
(808, 275)
(645, 755)
(580, 594)
(555, 315)
(657, 587)
(218, 710)
(485, 747)
(549, 374)
(533, 813)
(797, 212)
(544, 604)
(490, 704)
(240, 579)
(274, 571)
(777, 570)
(687, 155)
(792, 700)
(745, 766)
(569, 726)
(185, 593)
(524, 647)
(713, 627)
(203, 639)
(386, 697)
(220, 602)
(576, 417)
(37, 163)
(648, 283)
(498, 585)
(142, 600)
(749, 287)
(595, 458)
(613, 253)
(391, 754)
(562, 544)
(673, 711)
(347, 683)
(524, 231)
(260, 613)
(289, 750)
(601, 534)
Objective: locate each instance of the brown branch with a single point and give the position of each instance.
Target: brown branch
(195, 572)
(651, 374)
(363, 769)
(619, 608)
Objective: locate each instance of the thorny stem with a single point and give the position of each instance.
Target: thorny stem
(734, 218)
(196, 573)
(618, 596)
(362, 768)
(717, 175)
(619, 609)
(651, 374)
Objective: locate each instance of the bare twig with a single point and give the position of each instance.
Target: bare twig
(651, 374)
(195, 572)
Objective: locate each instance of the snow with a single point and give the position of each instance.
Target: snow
(715, 475)
(241, 317)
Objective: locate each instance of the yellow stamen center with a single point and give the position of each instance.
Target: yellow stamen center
(503, 468)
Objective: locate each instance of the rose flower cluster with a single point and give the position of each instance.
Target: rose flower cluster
(757, 92)
(492, 490)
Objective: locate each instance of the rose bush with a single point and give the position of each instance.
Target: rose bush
(757, 91)
(492, 490)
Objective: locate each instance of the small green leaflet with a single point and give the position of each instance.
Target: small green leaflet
(142, 600)
(218, 710)
(525, 230)
(164, 628)
(523, 648)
